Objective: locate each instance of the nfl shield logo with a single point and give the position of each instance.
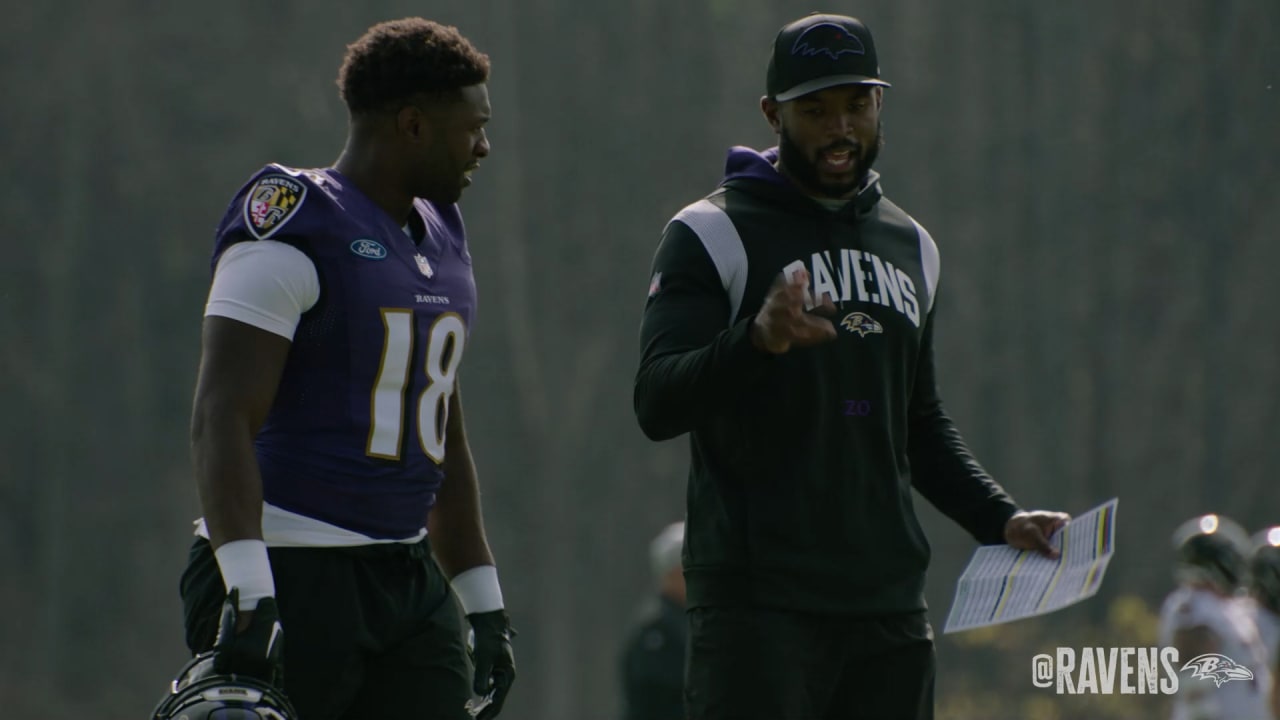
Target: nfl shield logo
(423, 265)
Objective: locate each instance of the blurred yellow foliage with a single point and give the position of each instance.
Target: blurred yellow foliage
(985, 674)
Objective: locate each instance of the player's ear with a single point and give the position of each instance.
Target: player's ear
(771, 108)
(878, 92)
(412, 123)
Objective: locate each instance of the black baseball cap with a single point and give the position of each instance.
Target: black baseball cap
(821, 51)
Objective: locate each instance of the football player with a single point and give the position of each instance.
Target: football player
(1204, 616)
(1264, 584)
(339, 493)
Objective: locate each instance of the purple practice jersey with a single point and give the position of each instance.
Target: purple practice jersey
(356, 434)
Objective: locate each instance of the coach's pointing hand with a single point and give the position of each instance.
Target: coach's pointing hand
(783, 322)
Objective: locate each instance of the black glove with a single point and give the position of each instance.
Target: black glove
(258, 651)
(494, 661)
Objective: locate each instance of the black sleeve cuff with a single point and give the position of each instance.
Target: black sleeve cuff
(988, 526)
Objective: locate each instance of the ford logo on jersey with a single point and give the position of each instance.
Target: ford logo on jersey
(367, 248)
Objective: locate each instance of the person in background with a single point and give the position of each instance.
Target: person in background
(1206, 615)
(653, 656)
(1264, 585)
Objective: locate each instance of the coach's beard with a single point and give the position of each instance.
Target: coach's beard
(804, 170)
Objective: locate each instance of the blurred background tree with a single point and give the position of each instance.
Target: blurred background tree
(1102, 180)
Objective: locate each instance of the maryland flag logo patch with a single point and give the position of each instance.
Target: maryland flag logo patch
(271, 201)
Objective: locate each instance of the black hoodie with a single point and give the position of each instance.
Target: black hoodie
(799, 492)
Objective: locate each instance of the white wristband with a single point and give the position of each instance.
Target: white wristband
(245, 565)
(478, 590)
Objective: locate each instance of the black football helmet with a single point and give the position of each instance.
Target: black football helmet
(199, 693)
(1264, 568)
(1214, 549)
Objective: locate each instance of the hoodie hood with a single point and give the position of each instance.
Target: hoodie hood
(753, 171)
(745, 162)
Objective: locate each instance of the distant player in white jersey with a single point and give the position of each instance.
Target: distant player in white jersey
(1264, 587)
(1208, 616)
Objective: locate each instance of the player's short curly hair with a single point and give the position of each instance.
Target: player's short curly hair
(398, 59)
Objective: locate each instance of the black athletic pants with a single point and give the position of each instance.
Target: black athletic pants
(369, 632)
(762, 664)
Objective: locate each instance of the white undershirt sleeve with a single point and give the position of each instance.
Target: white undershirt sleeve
(265, 283)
